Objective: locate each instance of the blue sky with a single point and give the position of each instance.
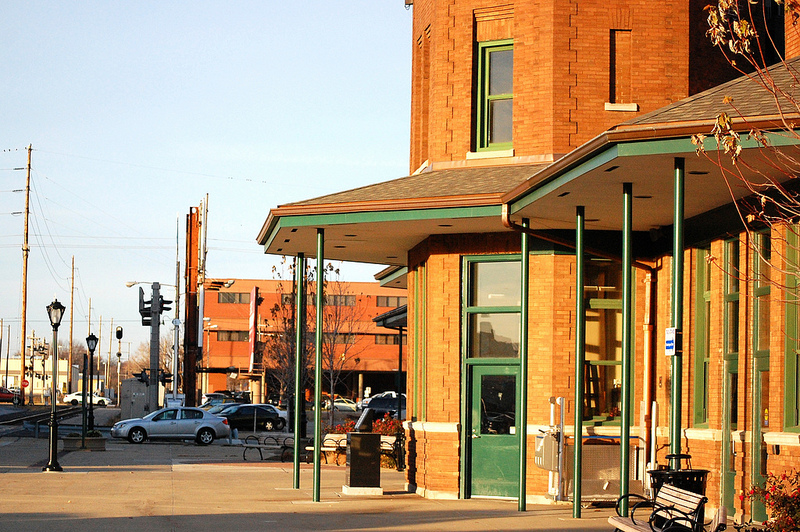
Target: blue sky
(137, 110)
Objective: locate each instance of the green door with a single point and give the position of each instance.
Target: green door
(492, 442)
(729, 424)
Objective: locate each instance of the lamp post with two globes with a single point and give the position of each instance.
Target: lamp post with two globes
(55, 311)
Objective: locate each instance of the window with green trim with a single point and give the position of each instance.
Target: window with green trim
(702, 328)
(603, 369)
(792, 347)
(761, 291)
(730, 335)
(495, 95)
(493, 308)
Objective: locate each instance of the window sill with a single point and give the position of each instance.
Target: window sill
(622, 107)
(490, 154)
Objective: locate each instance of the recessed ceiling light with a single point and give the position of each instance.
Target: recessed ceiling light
(644, 196)
(339, 247)
(287, 240)
(391, 256)
(445, 225)
(280, 249)
(698, 172)
(350, 236)
(592, 219)
(294, 230)
(563, 194)
(611, 168)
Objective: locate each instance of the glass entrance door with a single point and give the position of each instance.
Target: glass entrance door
(493, 442)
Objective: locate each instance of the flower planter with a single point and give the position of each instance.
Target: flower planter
(73, 443)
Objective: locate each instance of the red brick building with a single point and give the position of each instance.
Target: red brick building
(541, 132)
(371, 364)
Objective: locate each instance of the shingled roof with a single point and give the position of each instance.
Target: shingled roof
(488, 180)
(751, 98)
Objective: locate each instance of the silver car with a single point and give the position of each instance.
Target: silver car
(174, 423)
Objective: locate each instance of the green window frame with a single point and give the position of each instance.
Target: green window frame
(702, 329)
(791, 385)
(495, 95)
(490, 318)
(730, 335)
(761, 292)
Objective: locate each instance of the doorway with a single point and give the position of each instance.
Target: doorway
(493, 442)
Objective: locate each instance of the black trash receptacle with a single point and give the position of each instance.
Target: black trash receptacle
(363, 460)
(693, 480)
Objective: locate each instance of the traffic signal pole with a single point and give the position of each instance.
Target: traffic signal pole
(155, 321)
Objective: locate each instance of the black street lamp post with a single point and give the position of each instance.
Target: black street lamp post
(91, 343)
(56, 311)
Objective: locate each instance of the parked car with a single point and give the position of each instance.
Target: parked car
(174, 423)
(8, 396)
(344, 405)
(282, 413)
(216, 409)
(215, 401)
(387, 405)
(249, 417)
(76, 398)
(364, 403)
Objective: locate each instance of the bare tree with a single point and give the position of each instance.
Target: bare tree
(749, 37)
(279, 346)
(344, 326)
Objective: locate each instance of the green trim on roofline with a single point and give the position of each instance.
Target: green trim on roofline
(637, 148)
(394, 276)
(323, 220)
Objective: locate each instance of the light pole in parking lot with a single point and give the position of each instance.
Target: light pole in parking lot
(91, 343)
(55, 311)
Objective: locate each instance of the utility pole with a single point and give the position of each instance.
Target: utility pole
(177, 321)
(71, 323)
(190, 332)
(25, 252)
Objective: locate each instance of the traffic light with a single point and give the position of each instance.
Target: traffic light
(119, 329)
(164, 304)
(165, 378)
(142, 377)
(145, 308)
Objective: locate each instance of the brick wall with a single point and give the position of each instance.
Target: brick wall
(562, 68)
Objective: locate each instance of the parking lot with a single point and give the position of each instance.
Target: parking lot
(187, 487)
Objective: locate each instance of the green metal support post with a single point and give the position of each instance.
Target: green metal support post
(627, 298)
(580, 359)
(677, 313)
(318, 361)
(299, 399)
(522, 407)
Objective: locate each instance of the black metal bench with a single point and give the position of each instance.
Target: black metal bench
(274, 444)
(673, 509)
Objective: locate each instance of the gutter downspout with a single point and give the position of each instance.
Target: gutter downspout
(650, 303)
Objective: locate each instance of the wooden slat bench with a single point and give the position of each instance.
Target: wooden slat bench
(275, 446)
(673, 509)
(331, 443)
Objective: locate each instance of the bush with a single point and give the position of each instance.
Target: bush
(388, 426)
(781, 495)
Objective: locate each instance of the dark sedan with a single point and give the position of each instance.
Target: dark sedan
(253, 417)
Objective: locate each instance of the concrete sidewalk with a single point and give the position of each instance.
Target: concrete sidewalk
(186, 487)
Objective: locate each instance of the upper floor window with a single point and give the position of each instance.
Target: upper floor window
(340, 300)
(495, 94)
(233, 297)
(233, 336)
(390, 301)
